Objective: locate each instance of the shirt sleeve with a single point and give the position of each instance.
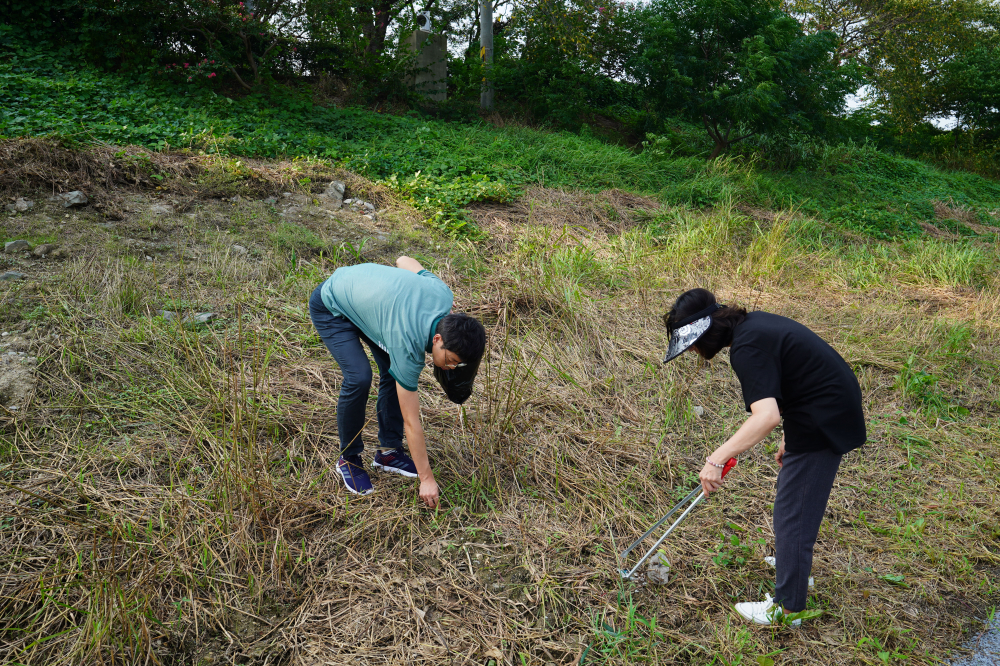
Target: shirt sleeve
(427, 274)
(404, 369)
(759, 373)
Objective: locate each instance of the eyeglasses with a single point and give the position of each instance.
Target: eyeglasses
(452, 366)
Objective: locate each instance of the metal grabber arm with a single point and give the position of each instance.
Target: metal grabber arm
(625, 573)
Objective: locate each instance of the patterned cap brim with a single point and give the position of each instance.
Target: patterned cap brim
(682, 338)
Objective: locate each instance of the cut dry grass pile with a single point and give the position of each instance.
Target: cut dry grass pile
(168, 496)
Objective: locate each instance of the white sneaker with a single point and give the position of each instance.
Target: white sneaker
(763, 612)
(770, 561)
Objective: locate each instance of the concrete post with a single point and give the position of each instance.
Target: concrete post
(431, 78)
(486, 53)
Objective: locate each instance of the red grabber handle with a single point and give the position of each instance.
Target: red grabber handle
(731, 463)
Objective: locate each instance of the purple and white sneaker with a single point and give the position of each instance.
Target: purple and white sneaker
(395, 461)
(352, 471)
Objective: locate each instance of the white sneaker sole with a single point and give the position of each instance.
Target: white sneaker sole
(394, 470)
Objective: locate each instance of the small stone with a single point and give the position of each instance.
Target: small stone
(200, 318)
(334, 193)
(497, 586)
(287, 195)
(21, 205)
(238, 250)
(161, 209)
(74, 198)
(348, 201)
(11, 275)
(369, 217)
(59, 253)
(167, 314)
(335, 188)
(16, 246)
(368, 206)
(148, 258)
(4, 334)
(698, 410)
(43, 249)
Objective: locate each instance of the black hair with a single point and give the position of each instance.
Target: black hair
(724, 320)
(462, 335)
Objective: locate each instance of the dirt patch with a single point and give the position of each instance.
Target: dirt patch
(17, 379)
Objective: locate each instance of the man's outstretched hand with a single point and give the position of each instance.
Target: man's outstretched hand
(429, 492)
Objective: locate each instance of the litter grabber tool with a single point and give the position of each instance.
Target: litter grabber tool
(626, 573)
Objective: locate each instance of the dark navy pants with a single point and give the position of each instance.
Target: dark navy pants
(804, 485)
(343, 339)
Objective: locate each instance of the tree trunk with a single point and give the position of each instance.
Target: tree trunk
(375, 18)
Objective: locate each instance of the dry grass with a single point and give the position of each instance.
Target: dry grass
(168, 496)
(108, 174)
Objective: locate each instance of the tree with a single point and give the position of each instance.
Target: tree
(969, 88)
(902, 43)
(739, 68)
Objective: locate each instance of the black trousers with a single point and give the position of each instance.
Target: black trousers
(804, 485)
(343, 339)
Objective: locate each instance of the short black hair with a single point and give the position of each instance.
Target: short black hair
(462, 335)
(724, 320)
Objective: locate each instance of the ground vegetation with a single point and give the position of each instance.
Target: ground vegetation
(166, 484)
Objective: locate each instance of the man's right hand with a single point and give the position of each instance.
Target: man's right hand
(781, 451)
(429, 492)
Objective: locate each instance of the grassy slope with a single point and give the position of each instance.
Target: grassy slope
(183, 504)
(855, 187)
(178, 500)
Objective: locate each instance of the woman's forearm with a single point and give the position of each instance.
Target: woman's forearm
(765, 417)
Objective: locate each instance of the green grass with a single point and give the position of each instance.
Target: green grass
(443, 166)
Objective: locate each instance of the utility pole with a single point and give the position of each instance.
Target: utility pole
(486, 53)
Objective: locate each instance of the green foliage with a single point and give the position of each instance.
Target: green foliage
(444, 198)
(739, 65)
(443, 166)
(970, 88)
(731, 552)
(291, 236)
(922, 387)
(561, 59)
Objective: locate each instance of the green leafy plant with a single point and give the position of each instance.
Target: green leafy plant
(731, 552)
(922, 387)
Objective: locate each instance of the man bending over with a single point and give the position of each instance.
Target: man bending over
(400, 313)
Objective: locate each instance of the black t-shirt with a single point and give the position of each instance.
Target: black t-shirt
(817, 392)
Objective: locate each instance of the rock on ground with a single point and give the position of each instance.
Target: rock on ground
(335, 193)
(16, 246)
(21, 205)
(74, 198)
(11, 275)
(17, 378)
